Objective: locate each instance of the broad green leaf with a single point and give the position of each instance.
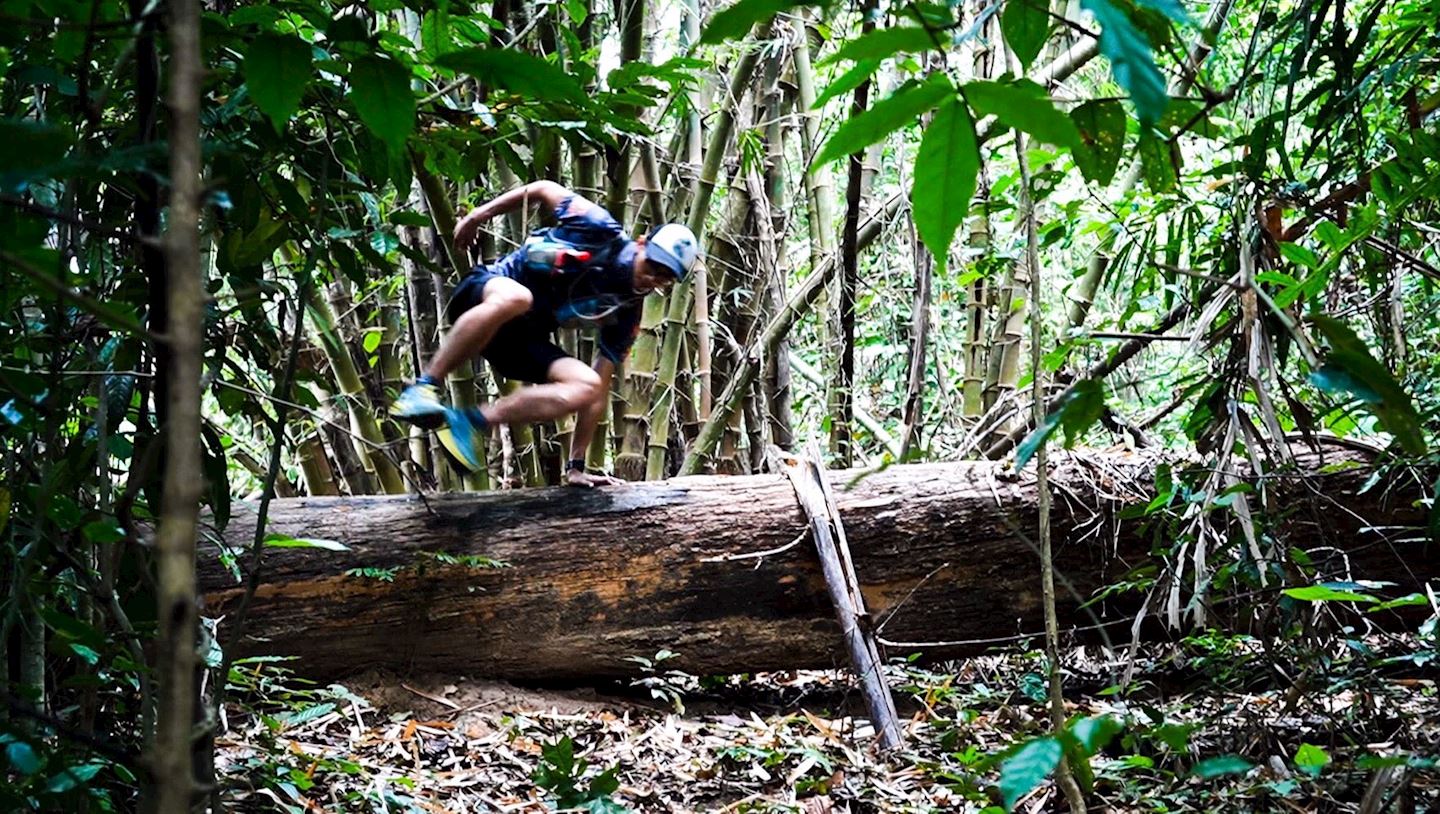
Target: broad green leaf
(1349, 367)
(886, 42)
(372, 339)
(1131, 60)
(1026, 26)
(1157, 163)
(1082, 407)
(380, 89)
(101, 531)
(286, 541)
(1407, 601)
(1311, 759)
(1299, 255)
(1094, 732)
(1026, 106)
(848, 81)
(72, 776)
(1170, 8)
(1220, 766)
(1101, 125)
(1321, 593)
(945, 170)
(31, 148)
(1027, 768)
(735, 21)
(277, 69)
(517, 72)
(898, 110)
(435, 36)
(22, 757)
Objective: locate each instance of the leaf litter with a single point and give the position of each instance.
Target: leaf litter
(1209, 725)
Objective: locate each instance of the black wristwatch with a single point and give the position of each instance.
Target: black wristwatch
(575, 464)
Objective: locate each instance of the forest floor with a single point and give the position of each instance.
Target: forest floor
(1208, 724)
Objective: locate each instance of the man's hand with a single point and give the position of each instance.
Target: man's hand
(466, 229)
(576, 477)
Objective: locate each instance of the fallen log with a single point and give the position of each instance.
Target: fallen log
(592, 578)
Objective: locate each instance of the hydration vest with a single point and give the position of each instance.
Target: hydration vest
(556, 254)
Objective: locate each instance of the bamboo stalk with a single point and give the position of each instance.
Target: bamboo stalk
(778, 327)
(371, 448)
(462, 382)
(679, 304)
(863, 417)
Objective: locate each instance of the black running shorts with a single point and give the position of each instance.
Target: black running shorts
(521, 349)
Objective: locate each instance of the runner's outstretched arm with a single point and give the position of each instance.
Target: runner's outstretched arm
(546, 194)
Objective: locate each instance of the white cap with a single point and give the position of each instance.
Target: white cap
(673, 246)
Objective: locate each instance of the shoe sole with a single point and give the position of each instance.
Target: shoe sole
(426, 421)
(447, 443)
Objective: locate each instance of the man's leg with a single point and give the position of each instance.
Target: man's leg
(501, 300)
(572, 385)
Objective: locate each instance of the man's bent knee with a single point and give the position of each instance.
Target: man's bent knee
(507, 296)
(582, 385)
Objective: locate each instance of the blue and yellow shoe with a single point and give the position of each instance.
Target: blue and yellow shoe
(463, 436)
(420, 405)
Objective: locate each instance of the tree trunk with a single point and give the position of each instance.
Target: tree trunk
(842, 401)
(171, 760)
(592, 577)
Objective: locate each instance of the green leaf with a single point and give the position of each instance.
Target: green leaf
(885, 42)
(1131, 60)
(372, 340)
(1101, 125)
(1027, 768)
(733, 22)
(1157, 162)
(1407, 601)
(898, 110)
(22, 757)
(380, 89)
(31, 148)
(1024, 105)
(1349, 367)
(1094, 732)
(517, 72)
(1321, 593)
(286, 541)
(1220, 766)
(277, 69)
(848, 81)
(410, 219)
(1311, 759)
(946, 167)
(101, 531)
(1299, 255)
(1082, 407)
(1170, 8)
(73, 776)
(1026, 26)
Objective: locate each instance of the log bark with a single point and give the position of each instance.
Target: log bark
(593, 577)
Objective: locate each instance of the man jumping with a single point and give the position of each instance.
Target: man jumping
(584, 271)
